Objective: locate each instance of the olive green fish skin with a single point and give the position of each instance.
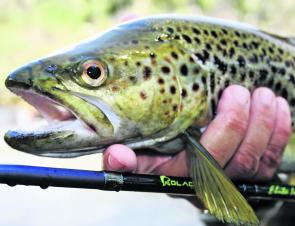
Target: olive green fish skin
(164, 74)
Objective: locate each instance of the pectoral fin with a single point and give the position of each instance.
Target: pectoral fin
(215, 190)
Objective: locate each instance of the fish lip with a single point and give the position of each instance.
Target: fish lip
(22, 91)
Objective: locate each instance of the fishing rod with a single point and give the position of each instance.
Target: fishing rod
(115, 181)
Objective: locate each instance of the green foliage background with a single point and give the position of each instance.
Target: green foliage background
(32, 28)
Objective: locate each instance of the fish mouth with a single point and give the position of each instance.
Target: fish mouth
(66, 134)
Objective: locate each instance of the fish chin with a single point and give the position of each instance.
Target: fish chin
(65, 135)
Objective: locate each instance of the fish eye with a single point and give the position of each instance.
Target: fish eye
(94, 73)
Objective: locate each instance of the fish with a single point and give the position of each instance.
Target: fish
(153, 83)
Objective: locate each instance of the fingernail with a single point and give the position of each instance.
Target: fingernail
(266, 96)
(241, 95)
(114, 163)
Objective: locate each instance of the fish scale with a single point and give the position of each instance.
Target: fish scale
(226, 56)
(152, 83)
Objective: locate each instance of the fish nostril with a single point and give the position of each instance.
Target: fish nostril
(51, 68)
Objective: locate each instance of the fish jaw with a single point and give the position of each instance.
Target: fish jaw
(74, 123)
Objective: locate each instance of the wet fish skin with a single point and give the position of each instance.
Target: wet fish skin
(163, 75)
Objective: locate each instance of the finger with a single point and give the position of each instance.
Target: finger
(226, 131)
(282, 131)
(245, 162)
(175, 166)
(119, 157)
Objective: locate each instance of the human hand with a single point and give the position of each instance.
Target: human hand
(247, 138)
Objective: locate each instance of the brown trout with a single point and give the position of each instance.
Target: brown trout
(152, 83)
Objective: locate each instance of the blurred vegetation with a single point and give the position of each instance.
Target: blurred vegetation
(32, 28)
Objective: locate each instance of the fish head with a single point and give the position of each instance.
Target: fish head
(99, 92)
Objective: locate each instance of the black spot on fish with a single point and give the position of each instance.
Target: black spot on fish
(183, 93)
(270, 49)
(143, 95)
(184, 70)
(208, 46)
(278, 86)
(281, 51)
(165, 69)
(282, 71)
(195, 87)
(236, 43)
(288, 63)
(231, 52)
(153, 55)
(134, 41)
(203, 57)
(220, 64)
(255, 44)
(292, 78)
(212, 82)
(270, 83)
(172, 89)
(174, 55)
(219, 94)
(233, 69)
(284, 93)
(204, 80)
(223, 42)
(224, 31)
(237, 33)
(273, 69)
(245, 46)
(214, 34)
(161, 81)
(138, 64)
(196, 31)
(206, 32)
(132, 78)
(176, 37)
(226, 83)
(213, 107)
(253, 59)
(174, 107)
(251, 74)
(263, 75)
(187, 38)
(197, 40)
(170, 30)
(196, 70)
(241, 61)
(147, 72)
(219, 48)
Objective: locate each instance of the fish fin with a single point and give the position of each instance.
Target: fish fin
(289, 40)
(288, 162)
(217, 193)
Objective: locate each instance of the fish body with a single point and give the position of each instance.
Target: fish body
(146, 82)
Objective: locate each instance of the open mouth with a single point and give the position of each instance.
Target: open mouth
(65, 134)
(56, 114)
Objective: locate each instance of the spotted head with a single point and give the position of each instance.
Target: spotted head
(119, 86)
